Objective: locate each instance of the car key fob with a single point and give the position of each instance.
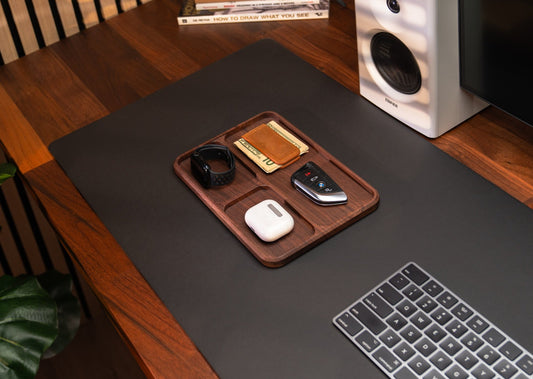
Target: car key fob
(314, 183)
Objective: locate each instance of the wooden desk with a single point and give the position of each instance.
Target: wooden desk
(55, 91)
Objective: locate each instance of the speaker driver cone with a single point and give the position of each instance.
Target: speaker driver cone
(395, 63)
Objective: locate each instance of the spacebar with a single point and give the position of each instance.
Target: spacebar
(369, 319)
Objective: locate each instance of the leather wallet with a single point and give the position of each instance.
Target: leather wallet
(272, 145)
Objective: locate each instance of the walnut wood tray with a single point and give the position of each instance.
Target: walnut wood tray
(312, 223)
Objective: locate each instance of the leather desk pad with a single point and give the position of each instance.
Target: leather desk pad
(254, 322)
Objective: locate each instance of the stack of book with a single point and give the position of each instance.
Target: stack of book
(228, 11)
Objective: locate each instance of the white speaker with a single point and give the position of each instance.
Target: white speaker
(408, 53)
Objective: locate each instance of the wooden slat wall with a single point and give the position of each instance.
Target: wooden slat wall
(28, 244)
(97, 351)
(29, 25)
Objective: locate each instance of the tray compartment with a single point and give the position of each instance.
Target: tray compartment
(270, 253)
(313, 223)
(245, 181)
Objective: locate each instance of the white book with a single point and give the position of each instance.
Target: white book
(189, 15)
(251, 3)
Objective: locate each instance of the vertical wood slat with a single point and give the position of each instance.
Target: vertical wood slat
(9, 25)
(23, 25)
(28, 245)
(47, 23)
(15, 235)
(26, 26)
(67, 17)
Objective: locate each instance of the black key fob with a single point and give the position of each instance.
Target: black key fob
(314, 183)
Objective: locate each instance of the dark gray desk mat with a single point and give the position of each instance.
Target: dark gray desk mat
(253, 322)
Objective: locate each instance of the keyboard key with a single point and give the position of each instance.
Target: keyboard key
(425, 347)
(462, 312)
(456, 372)
(348, 323)
(386, 359)
(371, 321)
(440, 360)
(447, 300)
(472, 341)
(415, 274)
(367, 341)
(399, 281)
(396, 321)
(466, 359)
(412, 327)
(451, 346)
(413, 292)
(483, 372)
(404, 351)
(378, 305)
(427, 304)
(390, 294)
(456, 328)
(432, 288)
(510, 350)
(526, 364)
(410, 333)
(420, 320)
(405, 373)
(493, 337)
(419, 365)
(441, 316)
(406, 308)
(389, 338)
(488, 354)
(477, 324)
(436, 333)
(433, 374)
(505, 369)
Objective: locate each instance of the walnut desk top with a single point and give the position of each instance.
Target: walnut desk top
(48, 94)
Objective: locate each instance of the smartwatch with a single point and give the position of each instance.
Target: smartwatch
(202, 171)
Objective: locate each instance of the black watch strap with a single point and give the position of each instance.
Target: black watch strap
(209, 152)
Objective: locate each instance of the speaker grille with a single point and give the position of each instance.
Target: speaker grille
(395, 63)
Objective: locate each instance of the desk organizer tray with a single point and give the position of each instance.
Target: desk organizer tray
(313, 223)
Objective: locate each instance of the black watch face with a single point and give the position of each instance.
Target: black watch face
(200, 170)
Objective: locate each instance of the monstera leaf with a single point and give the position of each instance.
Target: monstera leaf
(28, 326)
(59, 287)
(7, 170)
(30, 320)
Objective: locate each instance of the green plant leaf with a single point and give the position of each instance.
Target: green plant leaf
(28, 326)
(59, 287)
(7, 170)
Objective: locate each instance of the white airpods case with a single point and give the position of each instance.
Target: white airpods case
(269, 220)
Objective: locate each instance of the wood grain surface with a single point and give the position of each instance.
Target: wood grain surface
(312, 223)
(59, 89)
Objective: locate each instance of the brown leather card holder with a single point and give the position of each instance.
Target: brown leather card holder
(272, 145)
